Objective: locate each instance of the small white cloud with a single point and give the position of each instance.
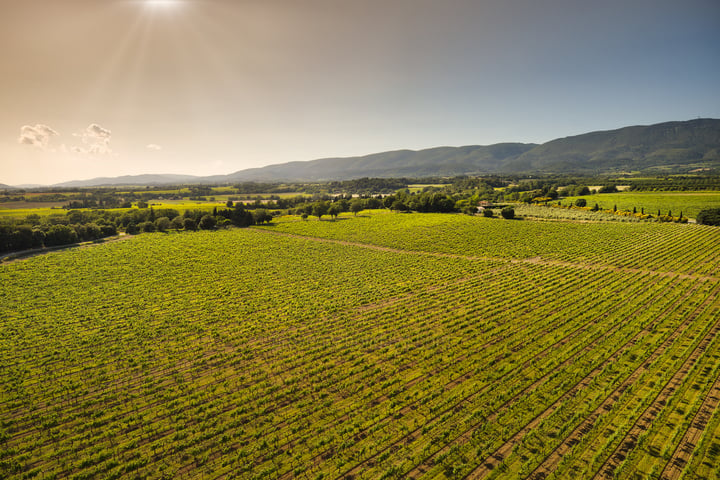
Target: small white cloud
(97, 131)
(38, 135)
(154, 147)
(96, 138)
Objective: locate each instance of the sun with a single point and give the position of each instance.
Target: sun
(162, 3)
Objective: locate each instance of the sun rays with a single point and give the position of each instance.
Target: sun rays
(162, 3)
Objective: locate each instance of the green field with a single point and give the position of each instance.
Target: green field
(689, 203)
(179, 205)
(378, 346)
(21, 211)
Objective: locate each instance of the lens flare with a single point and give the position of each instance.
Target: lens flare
(162, 3)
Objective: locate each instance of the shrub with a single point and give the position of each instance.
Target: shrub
(508, 213)
(177, 223)
(60, 235)
(189, 224)
(132, 229)
(580, 202)
(147, 227)
(108, 230)
(608, 189)
(162, 224)
(207, 222)
(709, 216)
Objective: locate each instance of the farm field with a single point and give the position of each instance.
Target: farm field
(379, 346)
(18, 211)
(21, 209)
(560, 212)
(689, 203)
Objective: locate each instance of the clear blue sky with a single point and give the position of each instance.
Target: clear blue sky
(103, 88)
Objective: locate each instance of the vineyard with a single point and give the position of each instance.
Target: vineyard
(687, 203)
(382, 345)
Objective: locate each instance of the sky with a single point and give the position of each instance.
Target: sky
(93, 88)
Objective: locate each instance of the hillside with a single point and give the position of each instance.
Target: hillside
(684, 145)
(148, 179)
(677, 147)
(446, 161)
(626, 149)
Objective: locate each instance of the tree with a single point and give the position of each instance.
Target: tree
(398, 206)
(92, 231)
(579, 191)
(22, 238)
(132, 229)
(177, 223)
(75, 216)
(162, 224)
(319, 209)
(373, 203)
(60, 235)
(207, 222)
(580, 202)
(343, 205)
(508, 213)
(38, 238)
(229, 204)
(487, 213)
(334, 210)
(610, 188)
(260, 215)
(147, 227)
(189, 224)
(356, 206)
(223, 222)
(709, 216)
(108, 230)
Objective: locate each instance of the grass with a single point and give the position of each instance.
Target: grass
(689, 203)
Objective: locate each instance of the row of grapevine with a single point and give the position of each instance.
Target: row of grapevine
(687, 249)
(240, 354)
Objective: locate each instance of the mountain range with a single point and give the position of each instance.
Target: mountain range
(676, 147)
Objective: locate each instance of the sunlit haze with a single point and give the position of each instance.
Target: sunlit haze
(121, 87)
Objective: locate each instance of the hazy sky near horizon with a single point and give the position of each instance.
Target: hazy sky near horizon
(120, 87)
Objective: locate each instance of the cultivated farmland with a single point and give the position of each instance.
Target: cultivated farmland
(687, 203)
(378, 346)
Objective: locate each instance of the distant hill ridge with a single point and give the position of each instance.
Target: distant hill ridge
(670, 146)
